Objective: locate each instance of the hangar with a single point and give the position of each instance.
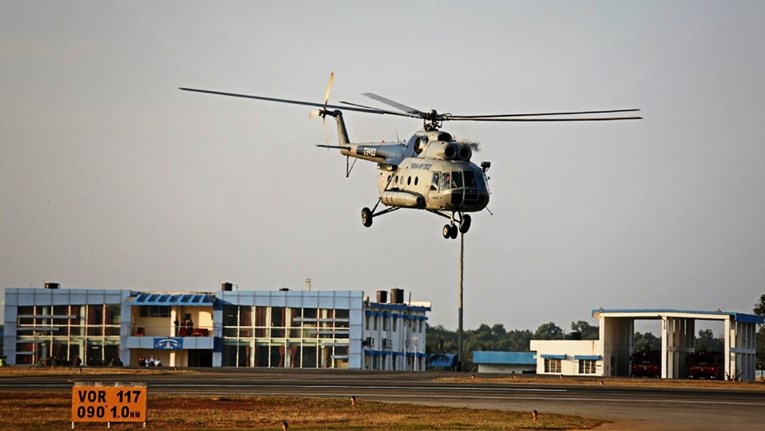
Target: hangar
(611, 354)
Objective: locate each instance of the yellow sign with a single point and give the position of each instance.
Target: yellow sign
(108, 404)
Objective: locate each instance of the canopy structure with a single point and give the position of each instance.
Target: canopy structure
(173, 299)
(617, 327)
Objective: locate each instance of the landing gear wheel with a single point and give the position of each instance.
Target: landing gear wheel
(453, 231)
(447, 231)
(465, 224)
(366, 217)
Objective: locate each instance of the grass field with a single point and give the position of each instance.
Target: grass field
(50, 410)
(27, 411)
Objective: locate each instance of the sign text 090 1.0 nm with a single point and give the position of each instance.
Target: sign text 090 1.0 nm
(109, 404)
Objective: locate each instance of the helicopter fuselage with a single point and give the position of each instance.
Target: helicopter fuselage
(434, 184)
(430, 171)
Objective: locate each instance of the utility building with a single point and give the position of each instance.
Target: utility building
(231, 328)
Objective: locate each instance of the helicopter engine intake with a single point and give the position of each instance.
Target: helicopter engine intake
(447, 151)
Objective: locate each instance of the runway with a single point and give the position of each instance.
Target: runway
(627, 408)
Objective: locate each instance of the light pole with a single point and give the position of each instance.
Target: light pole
(459, 302)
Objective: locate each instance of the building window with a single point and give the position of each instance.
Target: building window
(144, 311)
(552, 365)
(586, 366)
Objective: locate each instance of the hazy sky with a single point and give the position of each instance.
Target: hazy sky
(110, 177)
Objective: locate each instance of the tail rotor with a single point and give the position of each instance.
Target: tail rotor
(323, 111)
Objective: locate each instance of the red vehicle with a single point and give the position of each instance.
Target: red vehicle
(646, 363)
(705, 365)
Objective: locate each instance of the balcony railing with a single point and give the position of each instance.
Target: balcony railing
(155, 331)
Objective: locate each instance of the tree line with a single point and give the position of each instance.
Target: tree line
(497, 338)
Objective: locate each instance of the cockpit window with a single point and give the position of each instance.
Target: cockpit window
(470, 179)
(446, 181)
(434, 181)
(457, 180)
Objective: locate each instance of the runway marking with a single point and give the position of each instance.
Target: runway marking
(510, 399)
(406, 388)
(510, 396)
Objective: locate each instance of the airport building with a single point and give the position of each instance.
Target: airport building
(227, 328)
(613, 353)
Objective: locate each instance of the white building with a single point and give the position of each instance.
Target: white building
(289, 329)
(569, 357)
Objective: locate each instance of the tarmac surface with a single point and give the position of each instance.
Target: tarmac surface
(633, 407)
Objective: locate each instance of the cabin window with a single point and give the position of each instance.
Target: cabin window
(408, 181)
(415, 180)
(457, 179)
(434, 181)
(446, 181)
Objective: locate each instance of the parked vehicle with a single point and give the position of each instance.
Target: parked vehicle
(705, 365)
(646, 363)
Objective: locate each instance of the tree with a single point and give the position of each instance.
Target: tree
(759, 309)
(646, 341)
(517, 341)
(440, 340)
(706, 342)
(585, 330)
(548, 331)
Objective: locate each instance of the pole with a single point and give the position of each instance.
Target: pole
(459, 303)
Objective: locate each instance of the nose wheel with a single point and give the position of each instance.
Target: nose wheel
(451, 230)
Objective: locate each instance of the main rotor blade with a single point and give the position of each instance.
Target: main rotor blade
(393, 103)
(380, 110)
(530, 120)
(294, 102)
(540, 114)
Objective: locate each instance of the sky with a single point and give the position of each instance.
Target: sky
(110, 177)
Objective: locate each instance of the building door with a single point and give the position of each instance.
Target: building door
(200, 358)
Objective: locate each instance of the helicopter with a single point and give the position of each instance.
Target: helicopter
(431, 170)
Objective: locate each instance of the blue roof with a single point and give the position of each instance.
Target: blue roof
(170, 299)
(546, 356)
(587, 357)
(739, 317)
(505, 358)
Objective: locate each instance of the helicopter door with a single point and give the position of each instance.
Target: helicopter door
(435, 198)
